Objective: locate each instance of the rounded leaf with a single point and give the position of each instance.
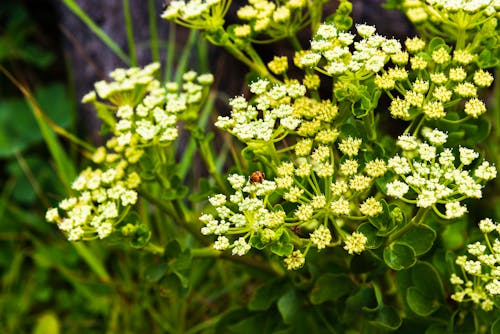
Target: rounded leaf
(330, 287)
(399, 256)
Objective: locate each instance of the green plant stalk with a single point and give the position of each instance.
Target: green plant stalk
(153, 30)
(254, 62)
(108, 41)
(130, 32)
(170, 210)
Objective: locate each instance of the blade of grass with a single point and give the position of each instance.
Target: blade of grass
(155, 51)
(187, 156)
(186, 53)
(130, 32)
(101, 34)
(92, 261)
(34, 183)
(169, 61)
(64, 164)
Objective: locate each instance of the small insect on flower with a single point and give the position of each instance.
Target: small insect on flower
(257, 176)
(296, 229)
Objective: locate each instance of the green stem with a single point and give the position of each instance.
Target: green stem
(154, 249)
(295, 42)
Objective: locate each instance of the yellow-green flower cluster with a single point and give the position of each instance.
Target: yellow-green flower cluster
(142, 112)
(142, 115)
(279, 110)
(479, 281)
(433, 83)
(336, 53)
(466, 23)
(430, 175)
(198, 14)
(308, 194)
(272, 20)
(104, 197)
(269, 118)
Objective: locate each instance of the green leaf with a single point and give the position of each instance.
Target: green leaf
(155, 271)
(47, 323)
(387, 318)
(426, 278)
(282, 247)
(486, 59)
(420, 303)
(495, 328)
(366, 262)
(18, 127)
(420, 238)
(453, 236)
(289, 305)
(370, 232)
(267, 294)
(363, 299)
(436, 43)
(330, 287)
(436, 329)
(383, 221)
(399, 256)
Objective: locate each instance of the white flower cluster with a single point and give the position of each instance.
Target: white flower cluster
(440, 10)
(271, 116)
(276, 20)
(143, 112)
(331, 51)
(444, 81)
(480, 278)
(243, 213)
(105, 196)
(309, 188)
(428, 175)
(197, 14)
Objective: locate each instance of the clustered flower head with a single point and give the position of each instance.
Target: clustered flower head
(439, 81)
(141, 114)
(479, 281)
(104, 198)
(337, 53)
(428, 174)
(451, 15)
(198, 14)
(272, 115)
(274, 20)
(309, 193)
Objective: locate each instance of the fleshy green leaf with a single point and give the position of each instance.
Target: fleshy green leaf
(330, 287)
(289, 306)
(419, 238)
(267, 294)
(399, 256)
(387, 318)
